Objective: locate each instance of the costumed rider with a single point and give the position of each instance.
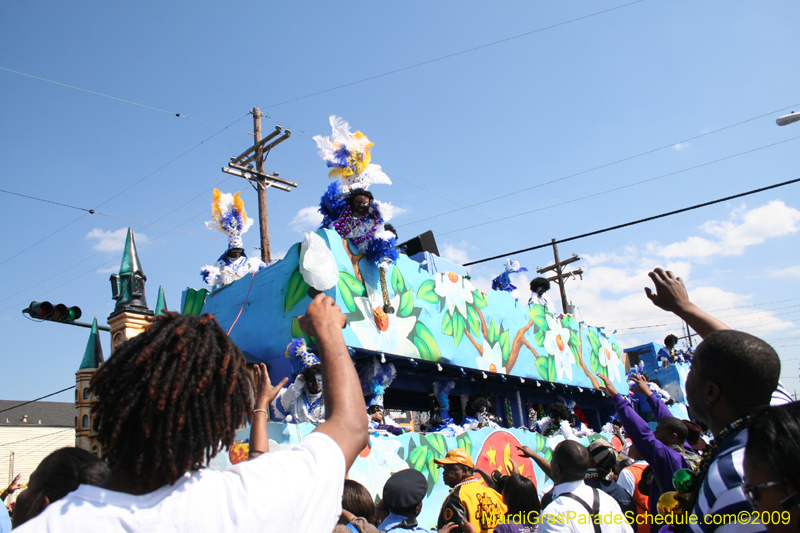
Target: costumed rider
(348, 207)
(376, 377)
(503, 281)
(231, 219)
(669, 354)
(539, 286)
(302, 400)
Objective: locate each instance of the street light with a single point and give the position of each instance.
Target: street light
(788, 119)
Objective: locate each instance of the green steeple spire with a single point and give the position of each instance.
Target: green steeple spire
(127, 287)
(161, 304)
(93, 355)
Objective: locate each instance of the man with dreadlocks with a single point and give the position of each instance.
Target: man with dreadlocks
(171, 398)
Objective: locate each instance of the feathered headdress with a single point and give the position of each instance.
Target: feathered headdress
(300, 357)
(503, 281)
(349, 157)
(229, 217)
(376, 377)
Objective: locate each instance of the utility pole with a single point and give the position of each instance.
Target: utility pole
(561, 275)
(242, 166)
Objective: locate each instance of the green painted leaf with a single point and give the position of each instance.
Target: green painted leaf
(426, 292)
(406, 303)
(436, 440)
(480, 299)
(425, 343)
(576, 354)
(594, 340)
(616, 349)
(542, 364)
(347, 296)
(505, 345)
(447, 325)
(594, 364)
(536, 311)
(355, 286)
(551, 371)
(296, 290)
(458, 328)
(540, 322)
(474, 321)
(419, 457)
(464, 441)
(494, 332)
(297, 332)
(539, 338)
(574, 338)
(548, 455)
(398, 283)
(539, 443)
(566, 321)
(432, 470)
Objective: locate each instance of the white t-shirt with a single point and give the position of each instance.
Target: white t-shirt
(626, 479)
(566, 515)
(292, 490)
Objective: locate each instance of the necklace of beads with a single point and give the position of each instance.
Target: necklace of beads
(348, 221)
(688, 482)
(470, 480)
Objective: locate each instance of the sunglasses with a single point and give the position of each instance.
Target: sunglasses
(753, 492)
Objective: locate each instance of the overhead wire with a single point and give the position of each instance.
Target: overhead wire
(605, 165)
(37, 399)
(594, 195)
(173, 113)
(455, 54)
(635, 222)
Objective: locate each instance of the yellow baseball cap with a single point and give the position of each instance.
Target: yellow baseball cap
(456, 456)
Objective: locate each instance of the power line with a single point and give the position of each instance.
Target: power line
(623, 186)
(179, 115)
(448, 56)
(670, 145)
(37, 399)
(633, 223)
(714, 310)
(34, 438)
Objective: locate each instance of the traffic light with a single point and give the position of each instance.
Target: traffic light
(56, 313)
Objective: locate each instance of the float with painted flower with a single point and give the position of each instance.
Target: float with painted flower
(422, 314)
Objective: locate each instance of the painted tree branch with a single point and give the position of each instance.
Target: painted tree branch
(484, 327)
(594, 380)
(516, 346)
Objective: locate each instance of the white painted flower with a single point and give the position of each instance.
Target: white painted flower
(492, 359)
(393, 339)
(376, 464)
(556, 342)
(609, 359)
(456, 291)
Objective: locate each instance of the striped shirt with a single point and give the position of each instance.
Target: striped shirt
(781, 396)
(721, 493)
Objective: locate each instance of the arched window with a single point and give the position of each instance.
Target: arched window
(86, 393)
(85, 421)
(76, 419)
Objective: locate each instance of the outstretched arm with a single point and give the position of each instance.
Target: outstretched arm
(543, 463)
(11, 488)
(671, 295)
(344, 403)
(259, 438)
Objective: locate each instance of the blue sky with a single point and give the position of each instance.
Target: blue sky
(563, 123)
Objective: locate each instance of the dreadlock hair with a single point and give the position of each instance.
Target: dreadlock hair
(171, 398)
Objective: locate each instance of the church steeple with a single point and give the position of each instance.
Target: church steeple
(85, 430)
(127, 287)
(161, 303)
(93, 356)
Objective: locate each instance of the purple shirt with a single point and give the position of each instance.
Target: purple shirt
(662, 459)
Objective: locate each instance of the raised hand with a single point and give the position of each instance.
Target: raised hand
(640, 385)
(607, 386)
(265, 391)
(670, 294)
(322, 315)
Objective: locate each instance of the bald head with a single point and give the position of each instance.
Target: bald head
(570, 461)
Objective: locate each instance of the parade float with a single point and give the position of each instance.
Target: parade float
(448, 342)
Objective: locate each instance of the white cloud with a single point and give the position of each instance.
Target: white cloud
(114, 241)
(108, 270)
(307, 219)
(744, 228)
(791, 272)
(680, 146)
(454, 253)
